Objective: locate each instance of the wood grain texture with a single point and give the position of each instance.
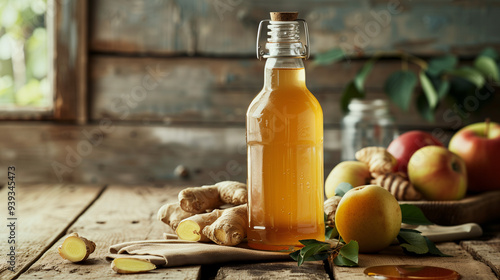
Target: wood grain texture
(485, 251)
(69, 75)
(205, 90)
(479, 208)
(43, 214)
(121, 214)
(280, 270)
(112, 152)
(223, 27)
(462, 262)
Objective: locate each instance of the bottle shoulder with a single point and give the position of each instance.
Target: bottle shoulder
(295, 100)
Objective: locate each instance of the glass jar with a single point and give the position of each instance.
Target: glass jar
(368, 123)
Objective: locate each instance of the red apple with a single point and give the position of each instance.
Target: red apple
(438, 173)
(479, 145)
(403, 147)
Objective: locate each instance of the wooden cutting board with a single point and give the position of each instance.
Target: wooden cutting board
(480, 208)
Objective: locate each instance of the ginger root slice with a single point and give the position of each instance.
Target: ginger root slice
(131, 265)
(191, 228)
(76, 248)
(379, 160)
(230, 228)
(330, 207)
(399, 186)
(199, 199)
(172, 214)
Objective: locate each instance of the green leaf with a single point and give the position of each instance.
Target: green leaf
(360, 78)
(295, 255)
(444, 63)
(399, 86)
(429, 91)
(308, 252)
(312, 250)
(412, 241)
(350, 92)
(331, 232)
(355, 88)
(489, 52)
(348, 255)
(342, 188)
(412, 215)
(443, 89)
(433, 250)
(470, 74)
(329, 57)
(312, 242)
(487, 66)
(424, 109)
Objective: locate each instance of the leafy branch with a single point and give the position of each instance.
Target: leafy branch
(440, 78)
(346, 254)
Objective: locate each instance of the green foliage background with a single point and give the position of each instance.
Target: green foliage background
(23, 54)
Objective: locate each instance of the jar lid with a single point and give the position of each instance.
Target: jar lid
(368, 105)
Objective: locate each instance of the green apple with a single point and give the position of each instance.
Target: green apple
(438, 173)
(355, 173)
(479, 146)
(370, 215)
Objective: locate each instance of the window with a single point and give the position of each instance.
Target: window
(43, 59)
(24, 56)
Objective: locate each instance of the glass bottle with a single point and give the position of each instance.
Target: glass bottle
(285, 146)
(368, 123)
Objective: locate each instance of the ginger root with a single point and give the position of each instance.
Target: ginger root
(131, 265)
(230, 228)
(398, 185)
(191, 228)
(76, 248)
(172, 214)
(379, 160)
(199, 199)
(330, 206)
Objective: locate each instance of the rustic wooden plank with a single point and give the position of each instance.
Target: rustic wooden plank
(68, 19)
(276, 270)
(121, 214)
(462, 262)
(43, 215)
(487, 252)
(225, 27)
(208, 90)
(112, 152)
(478, 208)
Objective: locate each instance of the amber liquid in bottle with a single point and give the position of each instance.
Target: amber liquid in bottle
(285, 161)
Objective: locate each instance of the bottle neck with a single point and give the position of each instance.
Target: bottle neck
(284, 65)
(284, 72)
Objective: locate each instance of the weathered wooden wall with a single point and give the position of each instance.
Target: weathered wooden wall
(228, 27)
(174, 78)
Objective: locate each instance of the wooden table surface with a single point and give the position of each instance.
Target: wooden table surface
(45, 214)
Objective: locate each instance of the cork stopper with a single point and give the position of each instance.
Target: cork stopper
(284, 16)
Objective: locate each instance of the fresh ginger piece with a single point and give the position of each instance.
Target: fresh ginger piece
(330, 207)
(232, 192)
(172, 214)
(199, 199)
(399, 186)
(230, 228)
(76, 248)
(379, 160)
(131, 265)
(191, 228)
